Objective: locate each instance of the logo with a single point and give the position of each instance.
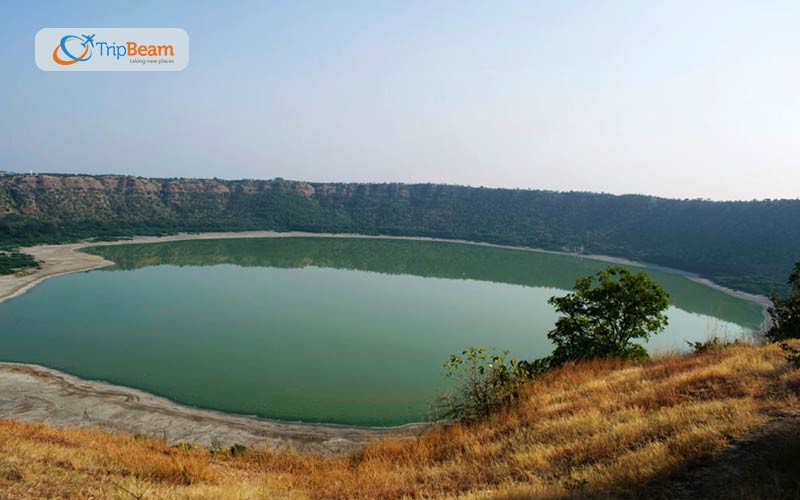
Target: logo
(112, 49)
(67, 58)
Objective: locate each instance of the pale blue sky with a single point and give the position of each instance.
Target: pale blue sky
(672, 98)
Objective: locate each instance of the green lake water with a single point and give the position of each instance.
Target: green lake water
(315, 329)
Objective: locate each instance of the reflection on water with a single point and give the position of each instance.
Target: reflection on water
(315, 329)
(426, 259)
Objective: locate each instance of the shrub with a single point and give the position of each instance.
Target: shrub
(715, 343)
(785, 315)
(785, 312)
(484, 382)
(238, 449)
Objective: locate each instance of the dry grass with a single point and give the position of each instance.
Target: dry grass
(598, 429)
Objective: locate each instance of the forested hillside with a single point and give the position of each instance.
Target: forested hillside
(745, 245)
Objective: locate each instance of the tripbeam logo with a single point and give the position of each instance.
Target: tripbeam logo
(112, 49)
(66, 57)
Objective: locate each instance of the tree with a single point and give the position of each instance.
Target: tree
(785, 312)
(605, 314)
(785, 315)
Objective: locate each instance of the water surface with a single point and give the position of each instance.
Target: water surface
(314, 329)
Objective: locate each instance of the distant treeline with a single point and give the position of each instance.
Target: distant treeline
(744, 245)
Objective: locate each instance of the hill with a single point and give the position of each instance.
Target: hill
(749, 246)
(721, 424)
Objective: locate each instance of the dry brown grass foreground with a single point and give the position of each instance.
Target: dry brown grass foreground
(598, 429)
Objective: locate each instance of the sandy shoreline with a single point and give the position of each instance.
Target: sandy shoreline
(35, 393)
(55, 260)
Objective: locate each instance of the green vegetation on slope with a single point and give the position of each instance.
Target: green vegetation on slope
(11, 262)
(785, 314)
(744, 245)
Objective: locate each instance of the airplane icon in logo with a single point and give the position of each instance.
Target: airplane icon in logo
(88, 39)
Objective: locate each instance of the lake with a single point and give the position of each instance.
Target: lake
(341, 330)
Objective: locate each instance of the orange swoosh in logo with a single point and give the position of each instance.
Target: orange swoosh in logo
(72, 61)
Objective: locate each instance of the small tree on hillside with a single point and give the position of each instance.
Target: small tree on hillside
(605, 314)
(484, 381)
(785, 315)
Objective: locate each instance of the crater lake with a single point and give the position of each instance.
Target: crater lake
(338, 330)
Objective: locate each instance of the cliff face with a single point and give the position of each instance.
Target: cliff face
(746, 245)
(93, 197)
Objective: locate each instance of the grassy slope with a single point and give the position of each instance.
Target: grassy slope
(598, 429)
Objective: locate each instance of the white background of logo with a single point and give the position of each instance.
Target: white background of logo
(47, 39)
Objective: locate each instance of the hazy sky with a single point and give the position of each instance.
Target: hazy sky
(673, 98)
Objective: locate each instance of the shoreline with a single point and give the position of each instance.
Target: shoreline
(39, 393)
(55, 260)
(58, 260)
(36, 393)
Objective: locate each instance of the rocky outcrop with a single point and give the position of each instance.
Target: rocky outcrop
(90, 197)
